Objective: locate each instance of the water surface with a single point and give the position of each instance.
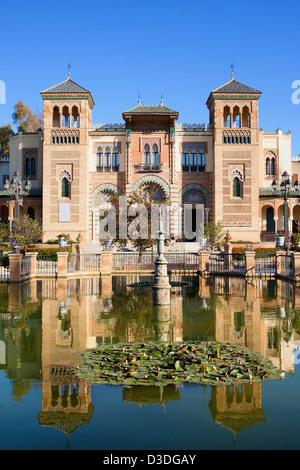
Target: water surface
(44, 325)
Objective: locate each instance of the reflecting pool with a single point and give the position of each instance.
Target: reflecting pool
(45, 324)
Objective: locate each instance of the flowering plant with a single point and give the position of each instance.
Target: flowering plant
(281, 234)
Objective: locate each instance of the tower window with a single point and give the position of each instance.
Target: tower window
(65, 187)
(30, 165)
(236, 187)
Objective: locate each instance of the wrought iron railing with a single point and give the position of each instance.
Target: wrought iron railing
(227, 262)
(46, 264)
(286, 265)
(149, 167)
(265, 264)
(4, 267)
(84, 263)
(193, 168)
(145, 261)
(132, 261)
(107, 168)
(25, 266)
(182, 261)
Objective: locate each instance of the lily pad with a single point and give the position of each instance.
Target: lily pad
(157, 363)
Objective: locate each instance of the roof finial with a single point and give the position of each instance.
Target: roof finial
(139, 100)
(232, 69)
(161, 100)
(69, 67)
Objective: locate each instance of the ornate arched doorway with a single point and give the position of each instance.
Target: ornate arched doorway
(194, 199)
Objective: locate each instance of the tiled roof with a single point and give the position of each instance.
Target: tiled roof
(67, 86)
(235, 87)
(150, 109)
(32, 192)
(277, 192)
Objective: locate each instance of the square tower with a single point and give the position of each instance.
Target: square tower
(233, 110)
(67, 119)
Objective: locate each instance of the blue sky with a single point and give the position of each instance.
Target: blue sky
(182, 50)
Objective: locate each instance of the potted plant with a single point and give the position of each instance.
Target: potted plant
(63, 240)
(279, 238)
(295, 240)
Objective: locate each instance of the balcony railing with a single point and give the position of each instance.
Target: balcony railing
(193, 169)
(107, 168)
(148, 167)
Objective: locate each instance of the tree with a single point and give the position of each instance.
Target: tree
(213, 231)
(26, 119)
(5, 132)
(137, 223)
(25, 231)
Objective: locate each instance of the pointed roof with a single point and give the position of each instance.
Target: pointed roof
(68, 87)
(233, 87)
(150, 109)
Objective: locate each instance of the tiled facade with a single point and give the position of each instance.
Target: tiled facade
(227, 165)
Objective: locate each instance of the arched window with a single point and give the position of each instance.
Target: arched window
(65, 187)
(226, 117)
(107, 159)
(273, 167)
(56, 117)
(146, 156)
(236, 117)
(65, 117)
(99, 162)
(246, 117)
(75, 117)
(30, 165)
(31, 213)
(270, 165)
(193, 159)
(115, 159)
(236, 187)
(185, 159)
(155, 157)
(201, 160)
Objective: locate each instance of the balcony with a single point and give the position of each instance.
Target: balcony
(107, 168)
(193, 169)
(148, 167)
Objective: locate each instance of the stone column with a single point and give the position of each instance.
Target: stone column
(228, 252)
(33, 263)
(204, 261)
(296, 267)
(15, 260)
(62, 264)
(80, 251)
(250, 263)
(106, 262)
(278, 263)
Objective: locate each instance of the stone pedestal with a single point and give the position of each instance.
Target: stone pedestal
(15, 260)
(161, 289)
(33, 263)
(62, 264)
(250, 263)
(106, 262)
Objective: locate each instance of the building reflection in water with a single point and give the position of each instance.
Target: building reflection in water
(45, 324)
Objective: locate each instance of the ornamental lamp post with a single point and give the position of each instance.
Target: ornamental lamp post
(285, 189)
(16, 187)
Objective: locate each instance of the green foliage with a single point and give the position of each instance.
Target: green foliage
(161, 363)
(25, 231)
(136, 198)
(214, 233)
(26, 119)
(5, 132)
